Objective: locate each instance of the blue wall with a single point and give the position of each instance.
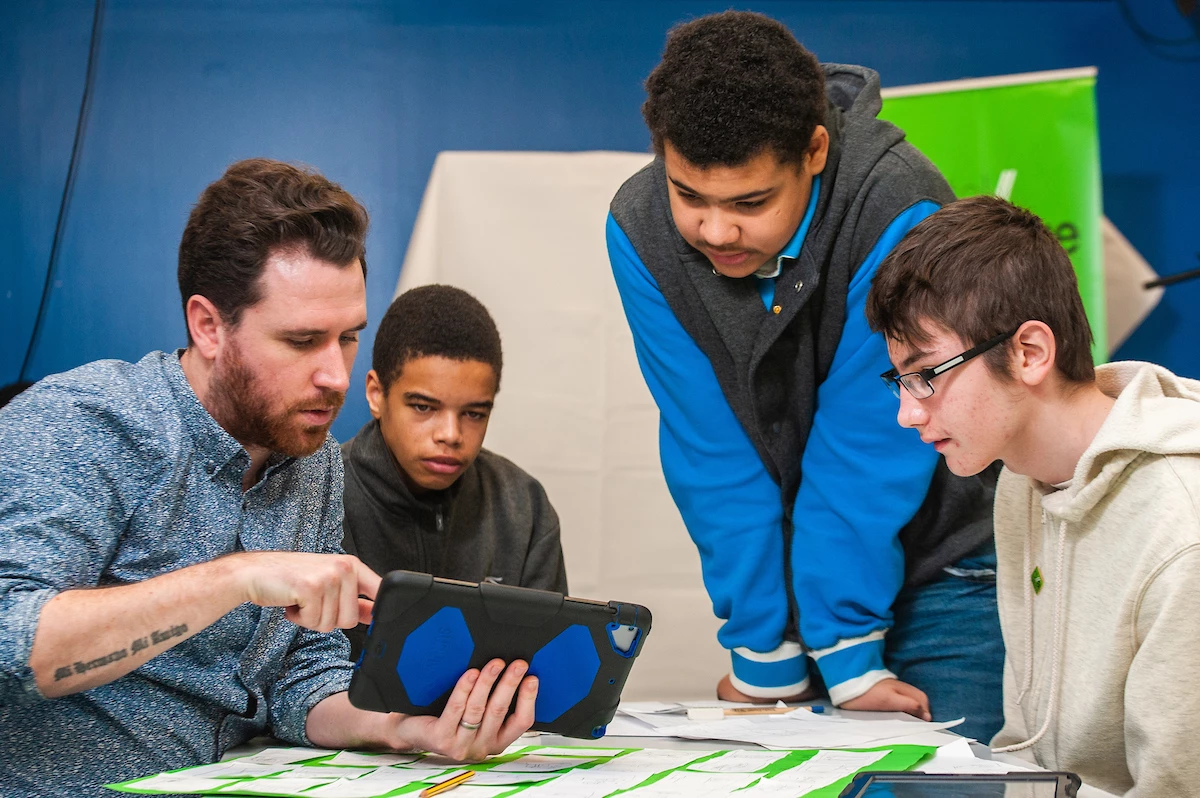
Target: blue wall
(369, 92)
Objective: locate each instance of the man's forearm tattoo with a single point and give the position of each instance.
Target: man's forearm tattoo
(142, 643)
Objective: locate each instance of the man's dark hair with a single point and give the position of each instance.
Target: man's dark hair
(256, 208)
(434, 321)
(731, 86)
(980, 267)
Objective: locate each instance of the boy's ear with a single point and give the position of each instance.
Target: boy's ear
(1034, 350)
(376, 398)
(818, 150)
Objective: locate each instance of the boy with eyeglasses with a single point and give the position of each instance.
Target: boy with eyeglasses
(1097, 529)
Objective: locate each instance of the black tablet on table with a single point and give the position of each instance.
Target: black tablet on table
(909, 784)
(426, 632)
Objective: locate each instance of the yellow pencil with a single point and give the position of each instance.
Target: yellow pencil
(448, 784)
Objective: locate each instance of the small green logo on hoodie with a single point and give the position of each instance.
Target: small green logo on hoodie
(1036, 578)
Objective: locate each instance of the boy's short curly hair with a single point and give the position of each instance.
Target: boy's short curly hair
(732, 85)
(434, 321)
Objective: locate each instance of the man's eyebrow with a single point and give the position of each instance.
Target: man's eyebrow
(481, 405)
(750, 195)
(313, 331)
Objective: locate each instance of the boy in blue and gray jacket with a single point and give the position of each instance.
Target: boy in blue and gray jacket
(743, 255)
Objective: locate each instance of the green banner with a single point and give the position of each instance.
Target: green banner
(1029, 138)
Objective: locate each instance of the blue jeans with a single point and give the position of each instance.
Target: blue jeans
(946, 641)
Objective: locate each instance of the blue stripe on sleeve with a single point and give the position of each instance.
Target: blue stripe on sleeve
(864, 477)
(728, 501)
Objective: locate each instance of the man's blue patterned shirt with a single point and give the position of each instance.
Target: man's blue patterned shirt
(114, 473)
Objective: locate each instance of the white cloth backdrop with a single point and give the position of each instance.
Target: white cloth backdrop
(524, 232)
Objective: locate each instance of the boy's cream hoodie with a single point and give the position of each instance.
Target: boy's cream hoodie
(1106, 657)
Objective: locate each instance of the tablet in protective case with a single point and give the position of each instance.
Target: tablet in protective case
(910, 784)
(426, 632)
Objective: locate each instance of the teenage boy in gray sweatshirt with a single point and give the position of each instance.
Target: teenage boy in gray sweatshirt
(1097, 530)
(421, 493)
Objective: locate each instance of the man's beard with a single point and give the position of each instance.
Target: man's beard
(241, 405)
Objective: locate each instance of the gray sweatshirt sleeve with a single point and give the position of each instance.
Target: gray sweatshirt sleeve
(1162, 704)
(545, 568)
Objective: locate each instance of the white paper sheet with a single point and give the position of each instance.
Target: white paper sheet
(572, 751)
(739, 762)
(540, 764)
(236, 767)
(286, 756)
(281, 786)
(806, 730)
(168, 783)
(631, 726)
(351, 788)
(660, 720)
(823, 769)
(329, 772)
(584, 784)
(401, 776)
(649, 761)
(364, 758)
(430, 762)
(470, 789)
(494, 777)
(694, 785)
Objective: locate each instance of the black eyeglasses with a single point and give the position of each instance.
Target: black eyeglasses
(918, 383)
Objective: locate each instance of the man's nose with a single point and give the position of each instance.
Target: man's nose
(333, 373)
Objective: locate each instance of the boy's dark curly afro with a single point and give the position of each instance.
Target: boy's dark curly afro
(732, 85)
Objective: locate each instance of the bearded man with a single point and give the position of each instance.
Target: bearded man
(172, 581)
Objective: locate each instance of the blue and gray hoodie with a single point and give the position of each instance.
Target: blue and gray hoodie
(810, 507)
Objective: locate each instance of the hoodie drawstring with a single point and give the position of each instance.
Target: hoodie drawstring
(1059, 598)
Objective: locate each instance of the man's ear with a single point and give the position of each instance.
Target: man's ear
(376, 398)
(205, 326)
(818, 151)
(1033, 352)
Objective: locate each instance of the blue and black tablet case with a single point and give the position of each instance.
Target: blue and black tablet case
(426, 632)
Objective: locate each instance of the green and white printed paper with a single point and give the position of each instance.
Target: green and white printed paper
(534, 771)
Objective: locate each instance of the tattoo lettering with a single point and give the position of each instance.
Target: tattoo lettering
(99, 662)
(140, 644)
(167, 634)
(156, 637)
